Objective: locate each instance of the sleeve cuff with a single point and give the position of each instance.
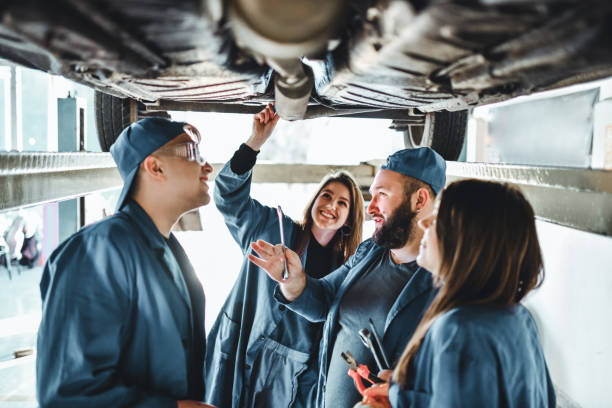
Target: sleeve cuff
(243, 160)
(278, 296)
(302, 304)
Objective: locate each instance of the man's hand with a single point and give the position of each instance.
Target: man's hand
(377, 396)
(264, 123)
(272, 261)
(193, 404)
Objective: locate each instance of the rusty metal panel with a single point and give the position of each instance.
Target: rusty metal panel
(577, 198)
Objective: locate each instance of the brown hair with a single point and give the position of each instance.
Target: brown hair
(489, 252)
(411, 185)
(348, 238)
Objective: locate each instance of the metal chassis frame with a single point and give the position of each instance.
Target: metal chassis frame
(34, 178)
(577, 198)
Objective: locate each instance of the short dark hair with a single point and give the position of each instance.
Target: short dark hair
(411, 185)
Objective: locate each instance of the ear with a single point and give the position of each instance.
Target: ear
(153, 168)
(421, 199)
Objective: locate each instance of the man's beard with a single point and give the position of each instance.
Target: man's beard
(396, 232)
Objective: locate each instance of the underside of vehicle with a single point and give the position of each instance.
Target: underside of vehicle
(411, 61)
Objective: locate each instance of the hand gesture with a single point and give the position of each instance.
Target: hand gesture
(377, 396)
(272, 261)
(264, 123)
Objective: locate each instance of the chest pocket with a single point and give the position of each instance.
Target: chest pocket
(277, 369)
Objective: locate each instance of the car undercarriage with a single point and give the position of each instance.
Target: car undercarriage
(397, 59)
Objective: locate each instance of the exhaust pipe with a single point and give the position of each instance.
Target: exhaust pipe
(279, 33)
(293, 84)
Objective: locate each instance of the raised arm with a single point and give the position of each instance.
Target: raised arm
(243, 215)
(264, 123)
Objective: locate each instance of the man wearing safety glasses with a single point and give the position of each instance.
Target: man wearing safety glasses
(123, 311)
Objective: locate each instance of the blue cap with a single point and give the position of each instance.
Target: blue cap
(422, 164)
(136, 142)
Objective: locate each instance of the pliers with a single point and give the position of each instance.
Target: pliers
(359, 371)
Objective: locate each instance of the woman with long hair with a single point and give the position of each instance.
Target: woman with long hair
(259, 353)
(476, 345)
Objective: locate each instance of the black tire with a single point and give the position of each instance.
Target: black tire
(114, 114)
(443, 131)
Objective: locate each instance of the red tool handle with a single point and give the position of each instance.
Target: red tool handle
(364, 372)
(357, 378)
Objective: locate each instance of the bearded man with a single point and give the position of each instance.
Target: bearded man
(381, 281)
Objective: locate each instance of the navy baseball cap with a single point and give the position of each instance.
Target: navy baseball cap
(136, 142)
(422, 164)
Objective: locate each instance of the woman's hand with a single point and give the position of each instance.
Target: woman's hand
(377, 396)
(264, 123)
(273, 262)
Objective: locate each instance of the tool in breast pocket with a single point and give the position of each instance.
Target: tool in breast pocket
(359, 371)
(279, 212)
(371, 340)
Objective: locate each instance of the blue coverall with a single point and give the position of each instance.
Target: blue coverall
(478, 356)
(320, 302)
(246, 364)
(121, 326)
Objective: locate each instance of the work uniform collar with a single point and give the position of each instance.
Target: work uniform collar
(158, 243)
(420, 282)
(150, 233)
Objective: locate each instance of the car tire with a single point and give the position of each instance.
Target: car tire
(442, 131)
(114, 114)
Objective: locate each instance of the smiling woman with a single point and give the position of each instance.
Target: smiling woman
(253, 336)
(331, 206)
(331, 209)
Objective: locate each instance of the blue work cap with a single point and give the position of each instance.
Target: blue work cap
(136, 142)
(422, 164)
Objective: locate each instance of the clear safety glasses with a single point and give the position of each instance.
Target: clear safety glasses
(188, 150)
(192, 132)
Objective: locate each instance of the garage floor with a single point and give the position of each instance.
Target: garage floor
(19, 319)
